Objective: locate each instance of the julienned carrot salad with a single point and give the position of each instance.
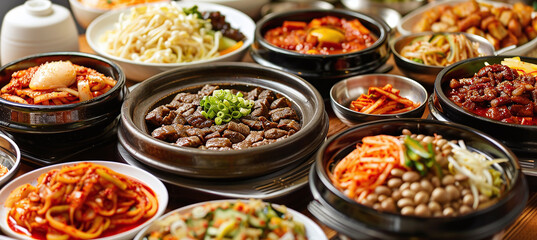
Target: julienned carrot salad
(368, 166)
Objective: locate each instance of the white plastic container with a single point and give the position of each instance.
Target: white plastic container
(37, 26)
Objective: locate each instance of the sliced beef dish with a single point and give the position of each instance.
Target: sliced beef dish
(499, 93)
(181, 122)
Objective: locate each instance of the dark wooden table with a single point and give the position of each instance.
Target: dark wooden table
(525, 227)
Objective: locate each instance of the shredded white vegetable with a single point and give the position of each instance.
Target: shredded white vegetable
(162, 34)
(476, 167)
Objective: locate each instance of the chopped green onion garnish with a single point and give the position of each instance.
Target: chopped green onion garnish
(225, 106)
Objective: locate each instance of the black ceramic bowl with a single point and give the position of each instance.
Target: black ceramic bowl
(357, 221)
(520, 138)
(321, 70)
(47, 134)
(135, 137)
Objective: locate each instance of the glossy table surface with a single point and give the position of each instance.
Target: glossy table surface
(525, 227)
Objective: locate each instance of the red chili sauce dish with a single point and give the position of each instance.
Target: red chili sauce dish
(326, 35)
(504, 92)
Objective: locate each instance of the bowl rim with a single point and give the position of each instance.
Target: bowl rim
(128, 122)
(119, 85)
(91, 29)
(381, 24)
(323, 177)
(407, 80)
(416, 35)
(439, 91)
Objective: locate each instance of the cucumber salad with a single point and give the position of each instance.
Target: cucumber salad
(249, 219)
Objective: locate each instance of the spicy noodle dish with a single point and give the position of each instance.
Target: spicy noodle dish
(326, 35)
(56, 83)
(224, 118)
(81, 201)
(253, 219)
(419, 175)
(171, 34)
(505, 92)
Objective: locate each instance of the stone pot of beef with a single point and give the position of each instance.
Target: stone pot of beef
(164, 123)
(495, 99)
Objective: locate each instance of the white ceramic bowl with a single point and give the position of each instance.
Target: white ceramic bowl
(138, 71)
(146, 178)
(84, 14)
(250, 7)
(313, 231)
(407, 23)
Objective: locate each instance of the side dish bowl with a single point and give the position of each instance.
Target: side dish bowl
(321, 70)
(144, 177)
(49, 133)
(348, 90)
(135, 137)
(313, 231)
(424, 73)
(520, 138)
(357, 221)
(139, 71)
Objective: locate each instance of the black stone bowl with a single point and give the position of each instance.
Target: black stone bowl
(321, 70)
(135, 136)
(358, 221)
(48, 134)
(520, 138)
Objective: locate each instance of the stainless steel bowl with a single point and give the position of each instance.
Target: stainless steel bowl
(49, 134)
(423, 73)
(10, 157)
(358, 221)
(348, 90)
(199, 163)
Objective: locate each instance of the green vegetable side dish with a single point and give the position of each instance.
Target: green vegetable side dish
(253, 219)
(222, 106)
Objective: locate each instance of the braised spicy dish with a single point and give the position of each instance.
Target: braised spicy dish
(326, 35)
(224, 119)
(418, 175)
(253, 219)
(505, 92)
(82, 201)
(56, 83)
